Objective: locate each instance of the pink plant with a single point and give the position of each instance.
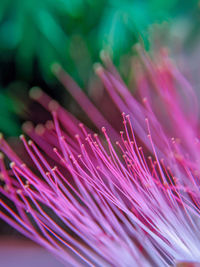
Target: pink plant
(110, 201)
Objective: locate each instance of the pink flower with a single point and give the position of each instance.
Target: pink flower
(128, 199)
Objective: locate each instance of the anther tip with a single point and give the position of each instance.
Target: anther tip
(54, 168)
(30, 142)
(35, 93)
(53, 105)
(12, 164)
(55, 68)
(27, 126)
(97, 68)
(104, 55)
(39, 129)
(22, 137)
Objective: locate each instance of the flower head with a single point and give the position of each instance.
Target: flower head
(114, 199)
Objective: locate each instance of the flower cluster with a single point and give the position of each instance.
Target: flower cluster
(112, 199)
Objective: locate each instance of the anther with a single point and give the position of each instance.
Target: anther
(30, 142)
(35, 93)
(12, 164)
(22, 137)
(27, 126)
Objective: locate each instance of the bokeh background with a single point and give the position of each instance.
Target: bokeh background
(34, 34)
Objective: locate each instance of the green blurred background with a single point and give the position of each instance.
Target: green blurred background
(36, 33)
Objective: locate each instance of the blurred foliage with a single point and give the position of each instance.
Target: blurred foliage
(36, 33)
(10, 109)
(51, 30)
